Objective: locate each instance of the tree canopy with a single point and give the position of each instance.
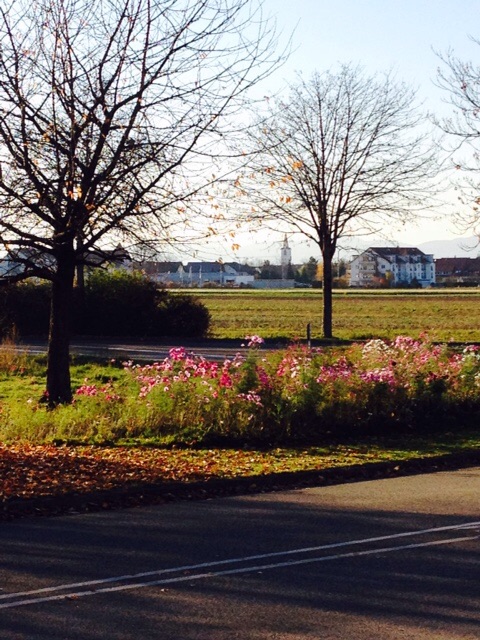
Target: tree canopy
(460, 80)
(341, 154)
(109, 110)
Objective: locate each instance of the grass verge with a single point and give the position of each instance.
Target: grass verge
(44, 472)
(50, 480)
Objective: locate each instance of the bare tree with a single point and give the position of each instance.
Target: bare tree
(461, 81)
(109, 113)
(342, 155)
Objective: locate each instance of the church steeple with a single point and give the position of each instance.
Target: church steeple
(285, 257)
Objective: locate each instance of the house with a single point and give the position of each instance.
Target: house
(9, 267)
(29, 256)
(169, 272)
(237, 274)
(392, 266)
(458, 271)
(199, 273)
(19, 259)
(117, 258)
(228, 273)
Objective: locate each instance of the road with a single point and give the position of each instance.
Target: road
(391, 559)
(147, 351)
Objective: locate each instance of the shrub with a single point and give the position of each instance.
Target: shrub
(113, 303)
(183, 316)
(117, 303)
(25, 308)
(122, 303)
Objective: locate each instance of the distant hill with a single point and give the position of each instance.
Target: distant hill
(456, 248)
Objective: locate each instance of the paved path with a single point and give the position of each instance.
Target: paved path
(386, 559)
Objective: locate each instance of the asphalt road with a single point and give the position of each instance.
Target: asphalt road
(388, 559)
(146, 351)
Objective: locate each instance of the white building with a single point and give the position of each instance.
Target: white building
(392, 266)
(220, 273)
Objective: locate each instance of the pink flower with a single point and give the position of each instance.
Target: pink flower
(87, 390)
(254, 341)
(226, 380)
(177, 353)
(252, 397)
(263, 377)
(471, 348)
(379, 375)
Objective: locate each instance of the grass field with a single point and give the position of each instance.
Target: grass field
(445, 315)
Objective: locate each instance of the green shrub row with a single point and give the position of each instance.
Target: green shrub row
(115, 303)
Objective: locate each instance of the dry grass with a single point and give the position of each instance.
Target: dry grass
(12, 359)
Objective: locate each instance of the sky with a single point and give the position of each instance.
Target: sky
(380, 35)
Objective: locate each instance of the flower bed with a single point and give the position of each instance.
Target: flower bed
(301, 394)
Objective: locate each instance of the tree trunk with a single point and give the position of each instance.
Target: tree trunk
(327, 296)
(80, 269)
(58, 358)
(81, 279)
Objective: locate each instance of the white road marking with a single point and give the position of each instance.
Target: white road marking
(211, 574)
(262, 556)
(238, 570)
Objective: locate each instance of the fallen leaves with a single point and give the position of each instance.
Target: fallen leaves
(49, 479)
(28, 470)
